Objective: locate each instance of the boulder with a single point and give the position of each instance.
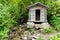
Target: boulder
(45, 25)
(30, 24)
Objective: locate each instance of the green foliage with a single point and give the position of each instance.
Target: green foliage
(55, 21)
(48, 30)
(0, 37)
(8, 16)
(39, 38)
(54, 14)
(56, 37)
(31, 29)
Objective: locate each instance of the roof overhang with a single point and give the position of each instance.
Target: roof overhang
(38, 4)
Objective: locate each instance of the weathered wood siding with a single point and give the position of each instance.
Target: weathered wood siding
(43, 15)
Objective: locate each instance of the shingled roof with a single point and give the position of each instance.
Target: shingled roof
(38, 4)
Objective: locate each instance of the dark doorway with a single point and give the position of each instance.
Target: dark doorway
(38, 14)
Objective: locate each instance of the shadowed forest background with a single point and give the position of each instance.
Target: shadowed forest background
(15, 12)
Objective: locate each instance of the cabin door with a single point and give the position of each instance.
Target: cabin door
(37, 13)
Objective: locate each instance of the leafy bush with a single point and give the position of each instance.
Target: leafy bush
(54, 15)
(8, 16)
(55, 21)
(56, 37)
(39, 38)
(48, 30)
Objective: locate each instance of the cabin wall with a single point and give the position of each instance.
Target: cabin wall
(31, 15)
(43, 15)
